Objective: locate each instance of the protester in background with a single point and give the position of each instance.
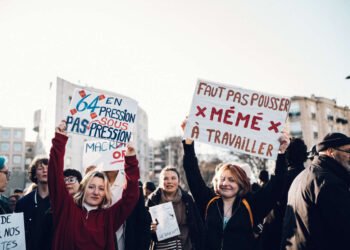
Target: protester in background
(18, 192)
(148, 188)
(296, 155)
(231, 209)
(87, 222)
(13, 199)
(187, 216)
(134, 233)
(317, 214)
(35, 204)
(263, 178)
(72, 179)
(4, 178)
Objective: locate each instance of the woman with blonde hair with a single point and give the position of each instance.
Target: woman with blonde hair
(230, 210)
(85, 222)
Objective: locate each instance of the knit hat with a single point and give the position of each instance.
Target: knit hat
(2, 162)
(333, 140)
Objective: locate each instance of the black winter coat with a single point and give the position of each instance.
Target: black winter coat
(4, 208)
(272, 233)
(238, 233)
(194, 220)
(318, 209)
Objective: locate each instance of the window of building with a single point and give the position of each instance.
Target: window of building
(4, 146)
(329, 115)
(17, 160)
(315, 131)
(313, 112)
(295, 129)
(17, 147)
(18, 134)
(5, 133)
(294, 110)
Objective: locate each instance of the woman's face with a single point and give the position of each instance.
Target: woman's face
(227, 186)
(95, 192)
(72, 184)
(169, 182)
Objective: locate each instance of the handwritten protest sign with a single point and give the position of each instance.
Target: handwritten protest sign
(167, 226)
(12, 235)
(106, 155)
(101, 116)
(242, 120)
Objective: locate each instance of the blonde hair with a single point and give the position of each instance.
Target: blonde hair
(239, 176)
(79, 197)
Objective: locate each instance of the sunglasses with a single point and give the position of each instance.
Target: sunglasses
(70, 179)
(342, 150)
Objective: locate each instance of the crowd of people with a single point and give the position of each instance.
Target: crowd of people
(296, 208)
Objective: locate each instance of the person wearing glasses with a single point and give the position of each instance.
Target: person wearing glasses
(72, 179)
(318, 208)
(35, 204)
(87, 221)
(4, 178)
(231, 211)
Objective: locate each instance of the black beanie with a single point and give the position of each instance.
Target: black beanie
(333, 140)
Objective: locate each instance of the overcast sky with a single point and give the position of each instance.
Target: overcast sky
(154, 51)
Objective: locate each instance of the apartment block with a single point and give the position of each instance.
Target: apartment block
(311, 118)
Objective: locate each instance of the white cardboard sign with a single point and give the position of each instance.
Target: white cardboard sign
(242, 120)
(164, 215)
(105, 155)
(101, 116)
(12, 234)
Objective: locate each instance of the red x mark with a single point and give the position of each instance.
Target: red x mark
(201, 111)
(274, 126)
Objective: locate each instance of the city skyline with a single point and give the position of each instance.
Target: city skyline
(154, 52)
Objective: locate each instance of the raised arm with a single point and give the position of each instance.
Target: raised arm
(123, 208)
(58, 193)
(201, 193)
(265, 199)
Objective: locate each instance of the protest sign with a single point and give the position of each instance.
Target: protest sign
(105, 155)
(241, 120)
(164, 215)
(101, 116)
(12, 234)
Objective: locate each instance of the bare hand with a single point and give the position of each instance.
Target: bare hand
(62, 127)
(154, 227)
(284, 142)
(130, 149)
(183, 126)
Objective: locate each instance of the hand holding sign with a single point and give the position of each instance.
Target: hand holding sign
(61, 128)
(284, 142)
(183, 126)
(130, 149)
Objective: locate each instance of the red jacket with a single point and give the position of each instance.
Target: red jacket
(75, 228)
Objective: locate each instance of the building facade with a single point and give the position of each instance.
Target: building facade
(311, 118)
(12, 146)
(58, 100)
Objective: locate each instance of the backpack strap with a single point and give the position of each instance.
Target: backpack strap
(247, 206)
(245, 203)
(209, 203)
